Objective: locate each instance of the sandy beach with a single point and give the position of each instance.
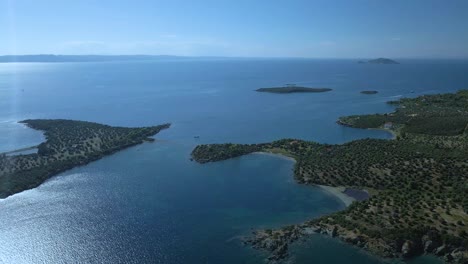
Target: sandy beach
(394, 134)
(338, 192)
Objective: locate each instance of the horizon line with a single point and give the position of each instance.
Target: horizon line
(225, 57)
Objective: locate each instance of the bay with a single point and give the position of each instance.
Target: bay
(150, 203)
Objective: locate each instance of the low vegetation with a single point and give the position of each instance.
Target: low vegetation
(68, 144)
(441, 114)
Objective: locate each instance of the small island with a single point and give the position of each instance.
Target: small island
(292, 88)
(369, 92)
(379, 61)
(68, 144)
(410, 193)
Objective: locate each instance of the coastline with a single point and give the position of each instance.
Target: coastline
(23, 172)
(338, 193)
(18, 150)
(376, 168)
(391, 131)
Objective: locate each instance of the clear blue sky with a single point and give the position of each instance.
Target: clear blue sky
(259, 28)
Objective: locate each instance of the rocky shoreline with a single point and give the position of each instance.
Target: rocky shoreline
(277, 243)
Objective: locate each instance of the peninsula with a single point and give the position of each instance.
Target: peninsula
(293, 89)
(380, 61)
(417, 182)
(369, 92)
(68, 144)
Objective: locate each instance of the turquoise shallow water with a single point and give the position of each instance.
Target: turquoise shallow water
(150, 203)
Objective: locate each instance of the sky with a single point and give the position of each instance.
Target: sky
(237, 28)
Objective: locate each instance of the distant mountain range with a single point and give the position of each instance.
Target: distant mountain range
(104, 58)
(89, 58)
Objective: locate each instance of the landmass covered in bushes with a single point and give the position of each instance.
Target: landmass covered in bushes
(68, 144)
(418, 182)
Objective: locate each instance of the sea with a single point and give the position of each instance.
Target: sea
(151, 203)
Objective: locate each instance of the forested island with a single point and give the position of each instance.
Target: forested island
(380, 61)
(68, 144)
(369, 92)
(418, 182)
(293, 89)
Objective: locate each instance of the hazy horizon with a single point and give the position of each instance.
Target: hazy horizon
(298, 29)
(236, 57)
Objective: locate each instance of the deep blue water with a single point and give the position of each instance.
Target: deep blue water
(150, 203)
